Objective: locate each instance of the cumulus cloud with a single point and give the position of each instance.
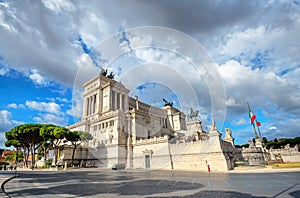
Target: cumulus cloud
(272, 128)
(49, 118)
(3, 71)
(59, 5)
(76, 111)
(254, 43)
(15, 106)
(12, 105)
(245, 84)
(274, 95)
(242, 121)
(39, 44)
(37, 78)
(50, 107)
(6, 123)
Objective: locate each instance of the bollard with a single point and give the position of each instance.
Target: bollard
(208, 168)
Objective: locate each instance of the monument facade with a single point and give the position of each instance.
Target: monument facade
(128, 131)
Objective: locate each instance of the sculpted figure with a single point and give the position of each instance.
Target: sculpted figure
(167, 103)
(193, 114)
(103, 72)
(228, 133)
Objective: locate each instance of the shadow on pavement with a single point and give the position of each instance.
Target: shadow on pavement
(295, 194)
(115, 184)
(96, 185)
(219, 193)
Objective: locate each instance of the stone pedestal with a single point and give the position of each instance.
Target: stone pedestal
(194, 126)
(258, 143)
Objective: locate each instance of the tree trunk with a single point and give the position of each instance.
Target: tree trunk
(56, 145)
(26, 155)
(55, 155)
(16, 160)
(45, 154)
(32, 156)
(73, 154)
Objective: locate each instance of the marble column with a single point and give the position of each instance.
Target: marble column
(94, 103)
(121, 102)
(91, 105)
(87, 106)
(118, 100)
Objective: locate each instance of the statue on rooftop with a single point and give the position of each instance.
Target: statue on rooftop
(193, 114)
(111, 75)
(167, 103)
(103, 72)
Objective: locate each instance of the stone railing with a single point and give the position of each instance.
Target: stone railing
(152, 140)
(284, 150)
(252, 149)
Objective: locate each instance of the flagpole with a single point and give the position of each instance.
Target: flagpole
(259, 133)
(256, 136)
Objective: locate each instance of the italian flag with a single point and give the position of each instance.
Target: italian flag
(252, 117)
(258, 123)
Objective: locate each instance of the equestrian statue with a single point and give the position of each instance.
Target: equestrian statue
(193, 115)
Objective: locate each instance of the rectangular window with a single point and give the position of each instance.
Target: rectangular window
(147, 161)
(118, 101)
(111, 123)
(113, 100)
(123, 102)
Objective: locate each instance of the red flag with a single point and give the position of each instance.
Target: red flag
(252, 117)
(258, 124)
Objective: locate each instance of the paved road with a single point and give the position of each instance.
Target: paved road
(108, 183)
(5, 176)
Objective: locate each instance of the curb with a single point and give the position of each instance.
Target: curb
(3, 183)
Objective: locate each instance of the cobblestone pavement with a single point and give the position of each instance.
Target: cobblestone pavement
(138, 183)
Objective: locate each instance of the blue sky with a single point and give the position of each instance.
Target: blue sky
(49, 48)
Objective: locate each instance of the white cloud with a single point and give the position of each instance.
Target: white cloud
(37, 78)
(3, 71)
(230, 102)
(242, 121)
(272, 128)
(5, 116)
(42, 39)
(6, 123)
(77, 105)
(274, 95)
(15, 106)
(63, 100)
(280, 42)
(59, 5)
(50, 107)
(49, 118)
(2, 140)
(245, 85)
(12, 105)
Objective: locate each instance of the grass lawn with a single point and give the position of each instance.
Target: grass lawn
(286, 165)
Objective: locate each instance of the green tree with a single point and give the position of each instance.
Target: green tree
(29, 137)
(264, 140)
(76, 138)
(47, 135)
(15, 138)
(32, 134)
(57, 136)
